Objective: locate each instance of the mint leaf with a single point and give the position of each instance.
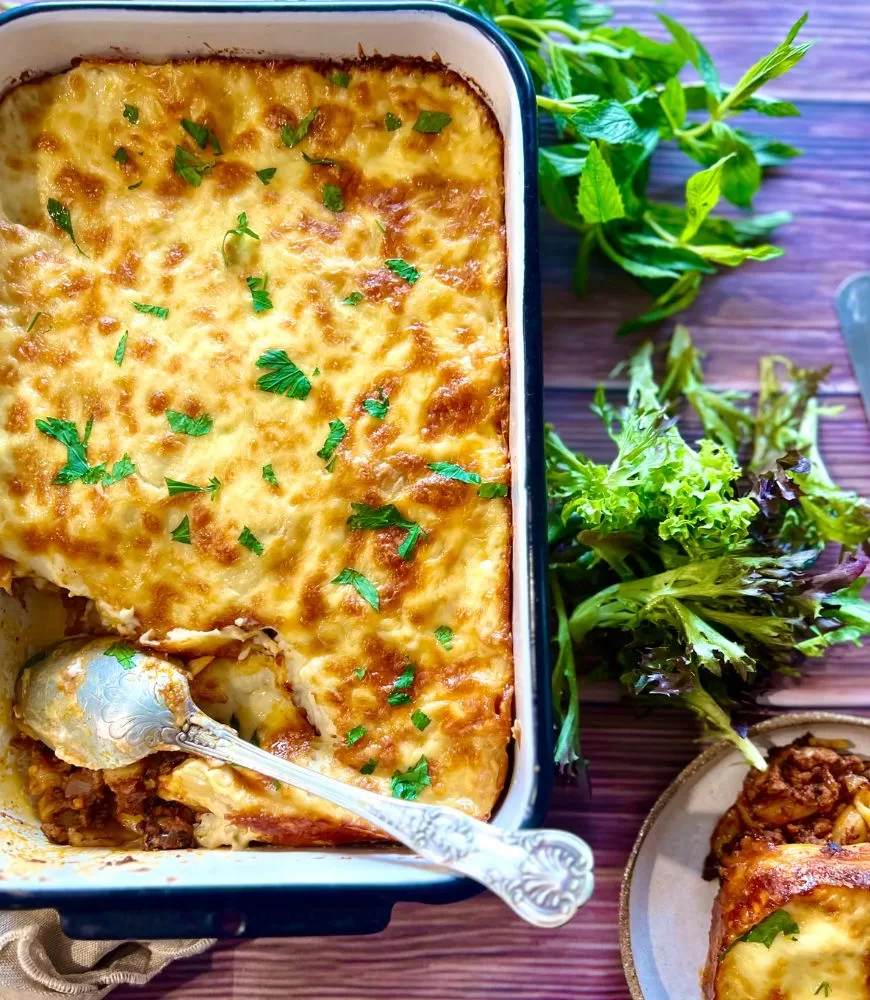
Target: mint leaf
(182, 532)
(285, 379)
(450, 471)
(293, 136)
(353, 299)
(333, 198)
(369, 766)
(269, 475)
(409, 784)
(420, 719)
(607, 121)
(202, 135)
(189, 166)
(159, 311)
(406, 549)
(266, 174)
(673, 102)
(491, 491)
(431, 122)
(181, 423)
(59, 215)
(765, 932)
(250, 541)
(121, 350)
(131, 113)
(368, 518)
(444, 634)
(260, 298)
(598, 197)
(697, 55)
(337, 433)
(702, 193)
(241, 229)
(392, 122)
(355, 735)
(364, 587)
(403, 269)
(123, 653)
(175, 486)
(377, 408)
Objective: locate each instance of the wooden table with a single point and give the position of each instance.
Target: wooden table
(476, 949)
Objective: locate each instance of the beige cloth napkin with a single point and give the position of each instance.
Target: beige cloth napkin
(39, 962)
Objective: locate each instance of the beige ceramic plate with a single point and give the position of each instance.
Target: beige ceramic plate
(665, 905)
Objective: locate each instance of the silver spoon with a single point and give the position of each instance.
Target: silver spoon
(99, 703)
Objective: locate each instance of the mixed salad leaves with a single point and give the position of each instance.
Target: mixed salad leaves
(690, 571)
(609, 97)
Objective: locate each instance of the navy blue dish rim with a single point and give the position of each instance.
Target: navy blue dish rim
(332, 908)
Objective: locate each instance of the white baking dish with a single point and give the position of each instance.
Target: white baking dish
(99, 892)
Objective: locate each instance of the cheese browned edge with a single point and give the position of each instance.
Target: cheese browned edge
(437, 348)
(825, 889)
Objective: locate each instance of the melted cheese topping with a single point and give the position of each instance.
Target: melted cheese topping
(437, 349)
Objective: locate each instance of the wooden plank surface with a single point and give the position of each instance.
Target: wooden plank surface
(475, 950)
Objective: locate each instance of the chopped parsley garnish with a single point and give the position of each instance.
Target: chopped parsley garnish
(363, 586)
(59, 215)
(181, 423)
(316, 371)
(353, 299)
(392, 122)
(765, 932)
(430, 122)
(367, 518)
(266, 174)
(450, 471)
(380, 225)
(355, 735)
(403, 269)
(182, 532)
(319, 161)
(444, 634)
(34, 321)
(285, 379)
(369, 766)
(175, 487)
(202, 135)
(259, 294)
(122, 653)
(293, 136)
(121, 349)
(131, 113)
(337, 433)
(242, 229)
(420, 719)
(77, 467)
(409, 784)
(269, 475)
(359, 673)
(250, 541)
(161, 312)
(823, 989)
(121, 155)
(490, 491)
(333, 199)
(132, 187)
(340, 79)
(377, 408)
(189, 166)
(400, 695)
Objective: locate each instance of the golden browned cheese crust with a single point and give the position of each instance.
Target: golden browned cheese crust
(435, 348)
(825, 891)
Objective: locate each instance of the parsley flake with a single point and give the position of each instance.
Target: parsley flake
(131, 113)
(242, 229)
(409, 784)
(259, 294)
(181, 423)
(182, 532)
(400, 694)
(293, 136)
(333, 199)
(337, 433)
(340, 79)
(269, 475)
(353, 299)
(823, 989)
(420, 719)
(132, 187)
(444, 634)
(355, 735)
(359, 673)
(765, 932)
(202, 135)
(77, 466)
(377, 408)
(266, 174)
(431, 122)
(123, 653)
(380, 225)
(450, 471)
(367, 518)
(189, 166)
(369, 766)
(59, 215)
(175, 486)
(123, 468)
(121, 155)
(285, 379)
(34, 321)
(320, 161)
(250, 541)
(392, 122)
(403, 269)
(121, 349)
(161, 312)
(491, 491)
(363, 586)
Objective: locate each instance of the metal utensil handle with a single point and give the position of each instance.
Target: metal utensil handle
(543, 875)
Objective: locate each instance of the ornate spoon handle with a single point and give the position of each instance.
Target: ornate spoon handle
(543, 875)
